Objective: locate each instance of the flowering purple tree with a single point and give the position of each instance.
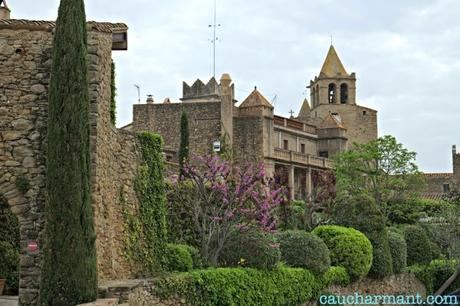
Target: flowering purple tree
(224, 196)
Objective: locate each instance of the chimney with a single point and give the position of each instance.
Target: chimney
(4, 10)
(149, 99)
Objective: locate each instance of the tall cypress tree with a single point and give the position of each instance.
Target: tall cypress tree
(184, 143)
(69, 274)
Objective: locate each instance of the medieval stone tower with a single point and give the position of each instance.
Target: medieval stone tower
(333, 92)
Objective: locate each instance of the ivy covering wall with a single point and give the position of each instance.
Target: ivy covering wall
(147, 228)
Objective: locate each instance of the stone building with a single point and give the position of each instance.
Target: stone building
(25, 62)
(438, 184)
(252, 131)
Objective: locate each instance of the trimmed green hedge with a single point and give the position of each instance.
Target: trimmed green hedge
(398, 248)
(178, 258)
(348, 248)
(420, 250)
(304, 250)
(249, 287)
(434, 274)
(253, 248)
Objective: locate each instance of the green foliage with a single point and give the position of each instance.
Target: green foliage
(69, 274)
(291, 215)
(420, 250)
(336, 276)
(382, 168)
(150, 190)
(237, 286)
(445, 239)
(178, 258)
(435, 273)
(398, 249)
(197, 261)
(252, 248)
(304, 250)
(181, 227)
(348, 248)
(184, 143)
(113, 92)
(9, 247)
(412, 210)
(22, 184)
(361, 213)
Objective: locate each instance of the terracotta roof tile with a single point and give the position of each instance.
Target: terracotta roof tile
(105, 27)
(437, 196)
(255, 99)
(438, 175)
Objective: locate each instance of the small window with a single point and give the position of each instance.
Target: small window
(446, 187)
(302, 148)
(364, 113)
(343, 93)
(285, 144)
(324, 154)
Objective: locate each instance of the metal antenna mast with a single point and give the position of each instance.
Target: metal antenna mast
(215, 38)
(138, 93)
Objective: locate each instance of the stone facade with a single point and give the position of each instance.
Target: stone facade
(252, 132)
(438, 184)
(25, 56)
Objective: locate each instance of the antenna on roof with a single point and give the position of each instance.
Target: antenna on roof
(215, 38)
(275, 98)
(331, 40)
(138, 93)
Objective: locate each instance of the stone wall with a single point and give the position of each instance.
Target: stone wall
(204, 120)
(248, 138)
(25, 57)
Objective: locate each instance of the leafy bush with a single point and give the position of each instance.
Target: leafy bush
(304, 250)
(445, 237)
(237, 286)
(291, 215)
(9, 247)
(335, 276)
(196, 256)
(420, 250)
(178, 258)
(348, 248)
(252, 248)
(434, 274)
(398, 248)
(361, 213)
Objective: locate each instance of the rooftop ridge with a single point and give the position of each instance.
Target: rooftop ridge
(106, 27)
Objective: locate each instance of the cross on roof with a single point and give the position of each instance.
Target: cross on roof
(292, 113)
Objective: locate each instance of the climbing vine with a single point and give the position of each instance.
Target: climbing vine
(146, 232)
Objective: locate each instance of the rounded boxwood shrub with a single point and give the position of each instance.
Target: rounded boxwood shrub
(348, 248)
(252, 248)
(362, 213)
(304, 250)
(178, 258)
(196, 256)
(398, 249)
(419, 246)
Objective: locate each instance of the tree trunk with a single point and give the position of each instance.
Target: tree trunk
(448, 282)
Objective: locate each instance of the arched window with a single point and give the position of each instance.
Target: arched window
(344, 93)
(332, 93)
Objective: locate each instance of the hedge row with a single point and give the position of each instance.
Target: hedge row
(246, 286)
(434, 274)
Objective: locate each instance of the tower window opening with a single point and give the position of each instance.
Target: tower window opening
(285, 144)
(332, 93)
(344, 93)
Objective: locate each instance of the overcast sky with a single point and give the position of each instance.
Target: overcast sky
(405, 54)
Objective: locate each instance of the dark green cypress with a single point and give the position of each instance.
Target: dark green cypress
(113, 90)
(69, 274)
(184, 143)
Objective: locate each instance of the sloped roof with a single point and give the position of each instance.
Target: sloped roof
(305, 109)
(255, 99)
(330, 122)
(438, 175)
(332, 64)
(106, 27)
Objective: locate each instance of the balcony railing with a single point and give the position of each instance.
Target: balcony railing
(300, 158)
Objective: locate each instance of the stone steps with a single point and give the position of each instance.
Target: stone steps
(102, 302)
(119, 289)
